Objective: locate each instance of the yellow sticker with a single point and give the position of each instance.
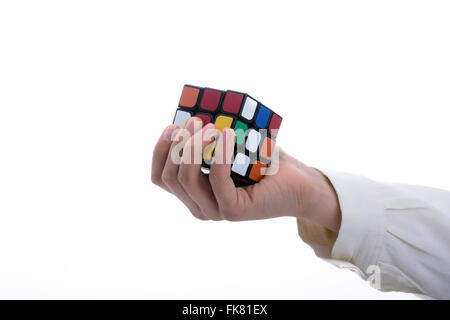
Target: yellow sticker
(223, 122)
(208, 151)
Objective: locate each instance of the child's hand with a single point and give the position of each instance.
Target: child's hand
(294, 190)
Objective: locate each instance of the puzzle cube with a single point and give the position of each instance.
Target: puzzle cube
(255, 126)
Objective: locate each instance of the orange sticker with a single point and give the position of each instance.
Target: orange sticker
(257, 171)
(189, 97)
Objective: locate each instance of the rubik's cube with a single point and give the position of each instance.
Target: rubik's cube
(255, 126)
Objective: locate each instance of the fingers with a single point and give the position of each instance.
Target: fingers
(222, 185)
(169, 175)
(194, 182)
(176, 167)
(160, 153)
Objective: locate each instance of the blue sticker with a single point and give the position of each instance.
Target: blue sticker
(262, 117)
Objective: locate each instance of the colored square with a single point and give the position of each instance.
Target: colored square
(223, 121)
(253, 139)
(275, 124)
(208, 152)
(189, 97)
(249, 108)
(240, 164)
(206, 118)
(266, 148)
(240, 130)
(262, 117)
(180, 117)
(210, 99)
(254, 124)
(232, 102)
(257, 171)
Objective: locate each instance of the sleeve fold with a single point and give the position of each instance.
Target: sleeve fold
(401, 231)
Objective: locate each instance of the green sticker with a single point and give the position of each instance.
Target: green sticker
(240, 129)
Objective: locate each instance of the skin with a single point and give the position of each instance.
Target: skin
(295, 190)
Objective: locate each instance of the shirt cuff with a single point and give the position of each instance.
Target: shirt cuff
(362, 227)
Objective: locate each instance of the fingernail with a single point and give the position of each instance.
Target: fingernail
(209, 131)
(167, 135)
(209, 126)
(193, 124)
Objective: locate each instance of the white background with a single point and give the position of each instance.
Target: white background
(87, 86)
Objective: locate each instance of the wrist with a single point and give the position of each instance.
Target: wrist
(321, 202)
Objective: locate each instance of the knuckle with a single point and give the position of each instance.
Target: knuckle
(168, 178)
(184, 177)
(230, 214)
(198, 215)
(155, 179)
(212, 215)
(202, 218)
(213, 178)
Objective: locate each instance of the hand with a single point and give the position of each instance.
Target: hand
(294, 190)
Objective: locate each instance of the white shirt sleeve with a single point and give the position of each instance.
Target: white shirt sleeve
(401, 232)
